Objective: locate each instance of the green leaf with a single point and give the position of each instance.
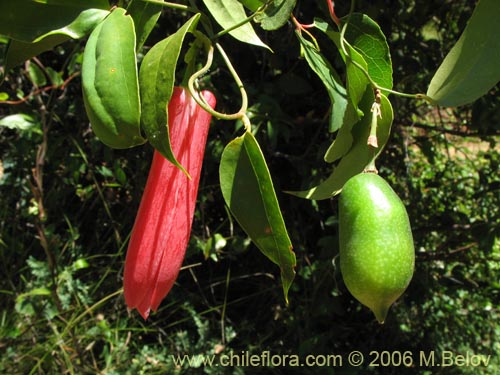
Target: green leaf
(366, 37)
(340, 145)
(80, 264)
(21, 50)
(145, 16)
(18, 52)
(276, 14)
(31, 21)
(253, 5)
(229, 13)
(110, 82)
(360, 155)
(55, 77)
(356, 80)
(21, 122)
(248, 191)
(330, 78)
(156, 80)
(36, 75)
(34, 292)
(355, 87)
(471, 67)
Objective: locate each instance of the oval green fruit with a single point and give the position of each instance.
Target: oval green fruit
(377, 256)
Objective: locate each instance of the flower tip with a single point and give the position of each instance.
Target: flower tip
(145, 313)
(142, 312)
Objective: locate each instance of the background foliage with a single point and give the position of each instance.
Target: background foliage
(68, 204)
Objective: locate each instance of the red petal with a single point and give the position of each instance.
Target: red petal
(163, 224)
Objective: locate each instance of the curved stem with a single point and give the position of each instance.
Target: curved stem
(241, 23)
(300, 27)
(331, 9)
(344, 28)
(172, 5)
(244, 97)
(374, 85)
(406, 95)
(199, 98)
(342, 39)
(246, 123)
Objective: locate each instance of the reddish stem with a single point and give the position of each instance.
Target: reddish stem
(38, 91)
(331, 8)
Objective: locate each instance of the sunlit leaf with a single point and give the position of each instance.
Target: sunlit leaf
(31, 21)
(366, 37)
(330, 78)
(356, 82)
(19, 51)
(340, 145)
(471, 68)
(21, 122)
(145, 16)
(229, 13)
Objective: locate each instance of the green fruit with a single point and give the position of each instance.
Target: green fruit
(377, 256)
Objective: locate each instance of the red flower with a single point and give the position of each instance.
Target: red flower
(163, 224)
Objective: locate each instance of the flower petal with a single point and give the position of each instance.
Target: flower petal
(163, 224)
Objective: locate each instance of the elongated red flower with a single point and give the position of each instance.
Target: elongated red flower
(163, 223)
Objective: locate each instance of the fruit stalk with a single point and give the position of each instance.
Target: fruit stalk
(163, 223)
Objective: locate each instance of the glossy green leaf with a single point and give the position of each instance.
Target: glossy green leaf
(340, 145)
(276, 14)
(145, 16)
(360, 154)
(19, 51)
(229, 13)
(30, 21)
(471, 67)
(156, 80)
(252, 5)
(356, 83)
(110, 83)
(330, 78)
(248, 191)
(356, 78)
(366, 37)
